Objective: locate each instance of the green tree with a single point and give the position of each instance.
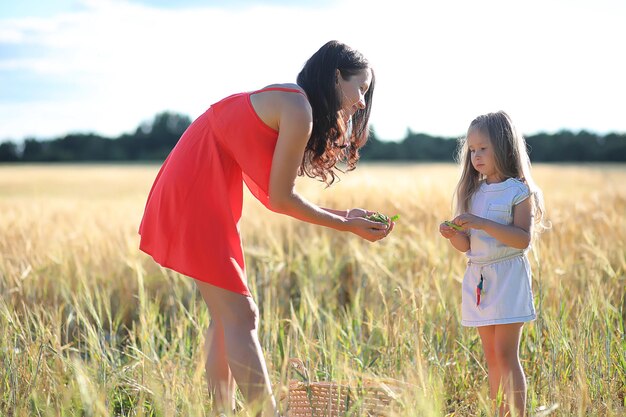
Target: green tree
(8, 152)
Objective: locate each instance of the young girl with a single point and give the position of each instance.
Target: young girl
(496, 202)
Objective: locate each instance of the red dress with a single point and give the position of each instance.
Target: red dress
(191, 219)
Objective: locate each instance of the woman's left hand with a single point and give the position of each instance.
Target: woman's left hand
(469, 221)
(358, 212)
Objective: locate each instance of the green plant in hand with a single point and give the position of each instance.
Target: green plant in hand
(453, 225)
(382, 218)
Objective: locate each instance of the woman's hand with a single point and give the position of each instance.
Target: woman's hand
(362, 213)
(358, 212)
(469, 221)
(367, 229)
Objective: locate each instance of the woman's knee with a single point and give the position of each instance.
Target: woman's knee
(215, 331)
(243, 315)
(229, 309)
(238, 312)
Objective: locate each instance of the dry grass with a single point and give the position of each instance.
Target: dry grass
(92, 327)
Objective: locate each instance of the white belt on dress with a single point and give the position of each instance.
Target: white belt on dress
(495, 261)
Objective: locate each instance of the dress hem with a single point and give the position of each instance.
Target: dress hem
(508, 320)
(177, 270)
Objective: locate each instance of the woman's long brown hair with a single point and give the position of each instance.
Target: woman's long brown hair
(331, 140)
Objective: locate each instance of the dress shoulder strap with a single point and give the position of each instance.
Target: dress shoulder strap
(285, 89)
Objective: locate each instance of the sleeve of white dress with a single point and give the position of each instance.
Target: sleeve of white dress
(521, 193)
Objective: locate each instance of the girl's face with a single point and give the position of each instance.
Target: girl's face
(353, 92)
(482, 155)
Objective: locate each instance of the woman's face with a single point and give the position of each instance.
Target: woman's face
(352, 92)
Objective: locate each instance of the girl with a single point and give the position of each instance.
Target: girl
(496, 201)
(265, 138)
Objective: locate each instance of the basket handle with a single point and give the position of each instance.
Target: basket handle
(298, 367)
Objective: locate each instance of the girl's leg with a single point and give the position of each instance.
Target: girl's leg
(219, 377)
(487, 337)
(507, 341)
(239, 317)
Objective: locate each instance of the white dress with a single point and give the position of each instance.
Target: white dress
(506, 295)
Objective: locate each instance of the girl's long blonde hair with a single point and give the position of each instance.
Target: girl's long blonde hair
(511, 160)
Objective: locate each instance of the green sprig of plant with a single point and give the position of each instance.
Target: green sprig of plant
(453, 225)
(382, 218)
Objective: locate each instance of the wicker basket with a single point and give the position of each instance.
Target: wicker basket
(331, 399)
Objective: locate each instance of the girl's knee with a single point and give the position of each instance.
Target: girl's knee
(506, 358)
(490, 355)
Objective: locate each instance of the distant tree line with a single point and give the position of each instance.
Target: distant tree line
(153, 140)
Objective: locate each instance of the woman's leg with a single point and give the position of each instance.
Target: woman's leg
(507, 341)
(219, 377)
(487, 337)
(239, 317)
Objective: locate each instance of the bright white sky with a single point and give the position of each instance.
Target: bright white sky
(105, 66)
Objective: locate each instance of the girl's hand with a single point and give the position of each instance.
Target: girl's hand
(368, 229)
(447, 231)
(469, 221)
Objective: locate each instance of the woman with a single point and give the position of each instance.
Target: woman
(265, 138)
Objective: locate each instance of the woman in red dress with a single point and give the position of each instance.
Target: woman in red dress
(265, 138)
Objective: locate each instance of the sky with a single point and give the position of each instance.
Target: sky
(106, 66)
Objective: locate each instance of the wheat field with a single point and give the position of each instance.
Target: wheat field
(90, 326)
